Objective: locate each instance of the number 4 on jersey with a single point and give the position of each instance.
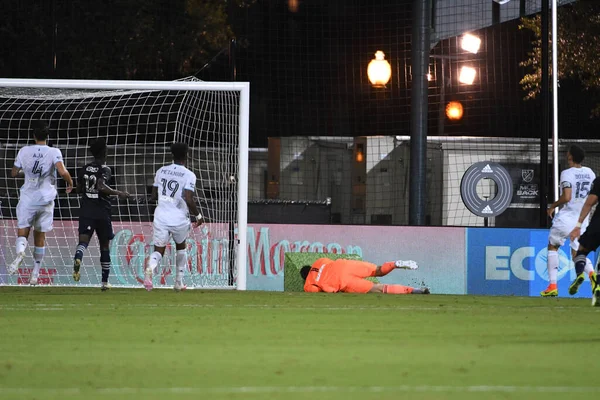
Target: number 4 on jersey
(37, 168)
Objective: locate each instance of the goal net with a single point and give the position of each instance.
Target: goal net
(139, 121)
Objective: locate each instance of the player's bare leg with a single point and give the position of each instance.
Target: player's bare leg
(39, 240)
(105, 263)
(588, 270)
(84, 241)
(153, 262)
(583, 266)
(581, 261)
(181, 264)
(20, 246)
(397, 289)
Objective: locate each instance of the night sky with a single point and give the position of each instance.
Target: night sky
(307, 67)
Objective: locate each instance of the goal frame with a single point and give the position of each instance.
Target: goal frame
(243, 131)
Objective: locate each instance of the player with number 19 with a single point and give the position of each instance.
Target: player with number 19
(174, 188)
(38, 164)
(95, 209)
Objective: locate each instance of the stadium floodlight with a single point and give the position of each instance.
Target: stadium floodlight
(470, 43)
(139, 120)
(467, 75)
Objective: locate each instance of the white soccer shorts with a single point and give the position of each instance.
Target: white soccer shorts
(40, 217)
(561, 229)
(162, 233)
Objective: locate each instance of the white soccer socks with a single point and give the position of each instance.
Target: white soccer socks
(552, 266)
(180, 263)
(154, 260)
(20, 244)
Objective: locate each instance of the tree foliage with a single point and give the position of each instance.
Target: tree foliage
(578, 48)
(112, 39)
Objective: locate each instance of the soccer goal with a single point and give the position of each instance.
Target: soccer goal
(139, 120)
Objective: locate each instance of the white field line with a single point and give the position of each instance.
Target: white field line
(71, 306)
(301, 389)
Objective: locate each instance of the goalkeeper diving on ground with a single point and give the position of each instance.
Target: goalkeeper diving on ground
(349, 276)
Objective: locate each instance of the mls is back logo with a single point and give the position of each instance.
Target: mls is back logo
(527, 175)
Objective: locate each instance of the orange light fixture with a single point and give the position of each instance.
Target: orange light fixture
(293, 5)
(454, 111)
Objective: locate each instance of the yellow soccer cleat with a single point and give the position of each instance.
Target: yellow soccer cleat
(576, 283)
(595, 290)
(550, 292)
(76, 267)
(596, 297)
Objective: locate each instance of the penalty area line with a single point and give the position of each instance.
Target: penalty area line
(305, 389)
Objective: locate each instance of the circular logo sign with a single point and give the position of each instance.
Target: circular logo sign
(468, 189)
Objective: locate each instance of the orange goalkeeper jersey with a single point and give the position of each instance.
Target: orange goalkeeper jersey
(339, 276)
(321, 278)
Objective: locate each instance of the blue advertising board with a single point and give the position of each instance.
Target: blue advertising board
(514, 262)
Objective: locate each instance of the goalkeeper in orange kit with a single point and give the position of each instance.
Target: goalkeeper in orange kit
(326, 275)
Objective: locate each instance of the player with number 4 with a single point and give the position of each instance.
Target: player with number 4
(575, 185)
(174, 188)
(38, 164)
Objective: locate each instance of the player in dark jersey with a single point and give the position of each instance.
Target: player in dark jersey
(588, 242)
(95, 209)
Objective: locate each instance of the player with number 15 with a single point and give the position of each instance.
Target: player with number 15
(575, 183)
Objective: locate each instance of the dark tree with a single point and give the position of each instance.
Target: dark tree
(578, 48)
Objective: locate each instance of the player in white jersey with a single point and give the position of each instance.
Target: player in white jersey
(575, 185)
(174, 187)
(38, 164)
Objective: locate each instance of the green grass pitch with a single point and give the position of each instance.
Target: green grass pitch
(63, 343)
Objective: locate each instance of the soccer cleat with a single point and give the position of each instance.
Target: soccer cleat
(596, 297)
(148, 279)
(423, 290)
(33, 279)
(550, 292)
(409, 264)
(178, 287)
(76, 267)
(105, 286)
(595, 290)
(576, 283)
(13, 268)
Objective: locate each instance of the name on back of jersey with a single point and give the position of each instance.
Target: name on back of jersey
(173, 173)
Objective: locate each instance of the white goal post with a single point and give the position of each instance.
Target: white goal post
(139, 120)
